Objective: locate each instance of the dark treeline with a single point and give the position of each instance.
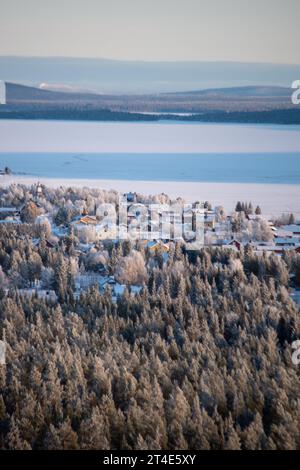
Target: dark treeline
(199, 359)
(86, 113)
(73, 113)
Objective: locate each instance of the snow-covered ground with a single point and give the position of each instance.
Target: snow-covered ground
(274, 199)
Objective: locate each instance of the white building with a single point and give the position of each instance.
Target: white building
(2, 92)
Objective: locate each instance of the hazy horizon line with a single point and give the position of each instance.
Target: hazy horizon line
(147, 61)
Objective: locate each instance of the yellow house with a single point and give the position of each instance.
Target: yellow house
(87, 220)
(155, 245)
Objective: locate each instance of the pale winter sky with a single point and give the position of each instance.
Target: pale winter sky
(235, 30)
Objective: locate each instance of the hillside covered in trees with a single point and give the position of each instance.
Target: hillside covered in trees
(248, 104)
(198, 358)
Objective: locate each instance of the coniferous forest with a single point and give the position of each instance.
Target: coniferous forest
(198, 358)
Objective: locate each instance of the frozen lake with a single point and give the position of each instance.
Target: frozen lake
(219, 162)
(270, 168)
(161, 137)
(160, 151)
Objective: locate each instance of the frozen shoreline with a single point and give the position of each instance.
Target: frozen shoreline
(272, 198)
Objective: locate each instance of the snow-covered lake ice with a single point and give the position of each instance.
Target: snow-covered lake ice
(152, 151)
(267, 168)
(160, 137)
(219, 162)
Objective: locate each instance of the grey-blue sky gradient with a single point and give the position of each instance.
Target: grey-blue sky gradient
(234, 30)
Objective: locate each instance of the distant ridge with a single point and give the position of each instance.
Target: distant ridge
(21, 93)
(25, 93)
(243, 91)
(250, 104)
(138, 77)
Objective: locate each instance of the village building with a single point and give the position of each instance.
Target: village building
(288, 241)
(281, 233)
(87, 220)
(39, 190)
(156, 245)
(209, 221)
(235, 243)
(9, 211)
(295, 229)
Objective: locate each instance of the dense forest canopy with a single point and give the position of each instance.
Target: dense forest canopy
(198, 358)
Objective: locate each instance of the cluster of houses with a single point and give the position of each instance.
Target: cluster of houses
(283, 238)
(141, 222)
(103, 281)
(218, 231)
(12, 215)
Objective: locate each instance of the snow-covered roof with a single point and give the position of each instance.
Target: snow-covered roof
(274, 248)
(8, 209)
(292, 228)
(119, 289)
(286, 241)
(266, 248)
(9, 220)
(283, 233)
(232, 241)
